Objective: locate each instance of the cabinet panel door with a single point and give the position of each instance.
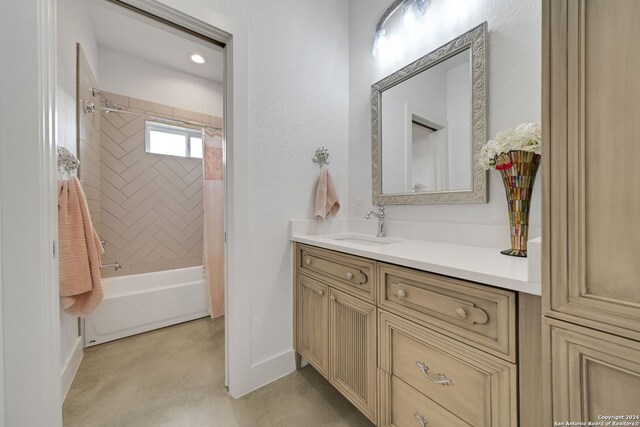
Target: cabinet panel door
(591, 157)
(592, 373)
(352, 350)
(312, 322)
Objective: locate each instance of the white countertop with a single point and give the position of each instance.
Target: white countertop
(477, 264)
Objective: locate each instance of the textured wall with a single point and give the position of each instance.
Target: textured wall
(152, 205)
(514, 89)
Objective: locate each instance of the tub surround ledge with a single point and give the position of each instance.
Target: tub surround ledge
(478, 264)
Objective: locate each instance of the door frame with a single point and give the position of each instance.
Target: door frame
(29, 313)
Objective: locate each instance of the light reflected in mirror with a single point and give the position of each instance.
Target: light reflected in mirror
(426, 130)
(428, 124)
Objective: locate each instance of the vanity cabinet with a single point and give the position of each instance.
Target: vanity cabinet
(590, 203)
(352, 350)
(412, 348)
(335, 322)
(312, 320)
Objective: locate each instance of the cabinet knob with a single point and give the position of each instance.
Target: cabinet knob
(461, 313)
(307, 261)
(332, 298)
(422, 420)
(349, 275)
(401, 293)
(320, 292)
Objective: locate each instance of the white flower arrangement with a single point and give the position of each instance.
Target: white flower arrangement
(525, 137)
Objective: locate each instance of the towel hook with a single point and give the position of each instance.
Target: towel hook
(322, 156)
(67, 162)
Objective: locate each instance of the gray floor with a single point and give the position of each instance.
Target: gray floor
(174, 377)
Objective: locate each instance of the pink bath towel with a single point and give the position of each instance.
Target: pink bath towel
(80, 250)
(327, 200)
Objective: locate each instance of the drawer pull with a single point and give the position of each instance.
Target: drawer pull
(440, 303)
(422, 420)
(442, 378)
(334, 269)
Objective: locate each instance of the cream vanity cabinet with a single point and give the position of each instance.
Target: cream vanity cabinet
(591, 273)
(411, 348)
(335, 321)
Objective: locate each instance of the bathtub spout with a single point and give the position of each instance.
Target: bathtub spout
(116, 265)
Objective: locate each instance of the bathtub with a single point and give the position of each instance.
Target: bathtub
(143, 302)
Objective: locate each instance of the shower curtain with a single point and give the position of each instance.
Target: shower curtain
(213, 250)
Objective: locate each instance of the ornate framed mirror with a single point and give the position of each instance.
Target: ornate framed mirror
(429, 121)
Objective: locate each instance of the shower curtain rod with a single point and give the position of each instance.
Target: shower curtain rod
(164, 119)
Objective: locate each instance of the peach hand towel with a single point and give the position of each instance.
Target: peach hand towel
(327, 200)
(80, 250)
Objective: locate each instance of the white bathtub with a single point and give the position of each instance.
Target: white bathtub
(143, 302)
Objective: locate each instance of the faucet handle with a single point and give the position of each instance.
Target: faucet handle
(380, 207)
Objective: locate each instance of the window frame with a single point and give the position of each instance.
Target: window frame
(187, 133)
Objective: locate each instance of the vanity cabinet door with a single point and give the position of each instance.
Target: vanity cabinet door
(312, 322)
(593, 374)
(352, 350)
(591, 156)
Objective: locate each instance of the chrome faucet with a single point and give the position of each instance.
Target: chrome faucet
(381, 216)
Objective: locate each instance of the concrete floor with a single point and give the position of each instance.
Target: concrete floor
(175, 377)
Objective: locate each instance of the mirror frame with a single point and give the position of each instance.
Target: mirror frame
(475, 40)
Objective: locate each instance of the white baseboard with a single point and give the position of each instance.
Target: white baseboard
(272, 369)
(71, 366)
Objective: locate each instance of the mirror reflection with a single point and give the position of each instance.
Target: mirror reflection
(426, 130)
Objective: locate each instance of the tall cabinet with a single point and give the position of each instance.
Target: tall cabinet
(591, 186)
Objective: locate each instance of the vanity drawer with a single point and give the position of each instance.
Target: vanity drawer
(351, 274)
(401, 405)
(476, 387)
(468, 312)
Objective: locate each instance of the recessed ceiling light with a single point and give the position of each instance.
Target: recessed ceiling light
(198, 59)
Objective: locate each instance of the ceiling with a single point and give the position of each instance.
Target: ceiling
(122, 30)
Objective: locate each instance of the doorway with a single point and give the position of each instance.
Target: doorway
(149, 97)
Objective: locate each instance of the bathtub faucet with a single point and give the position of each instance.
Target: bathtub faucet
(115, 265)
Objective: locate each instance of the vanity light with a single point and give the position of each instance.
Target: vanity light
(381, 46)
(413, 11)
(198, 59)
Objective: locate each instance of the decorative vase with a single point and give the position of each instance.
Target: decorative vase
(518, 169)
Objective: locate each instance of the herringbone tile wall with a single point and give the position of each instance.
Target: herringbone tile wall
(152, 205)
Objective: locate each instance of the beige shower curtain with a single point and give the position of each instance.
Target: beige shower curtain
(214, 221)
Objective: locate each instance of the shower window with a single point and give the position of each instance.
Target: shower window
(173, 140)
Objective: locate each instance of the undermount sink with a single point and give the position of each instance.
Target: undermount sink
(362, 239)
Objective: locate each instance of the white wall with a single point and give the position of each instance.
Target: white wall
(514, 71)
(74, 26)
(128, 75)
(31, 365)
